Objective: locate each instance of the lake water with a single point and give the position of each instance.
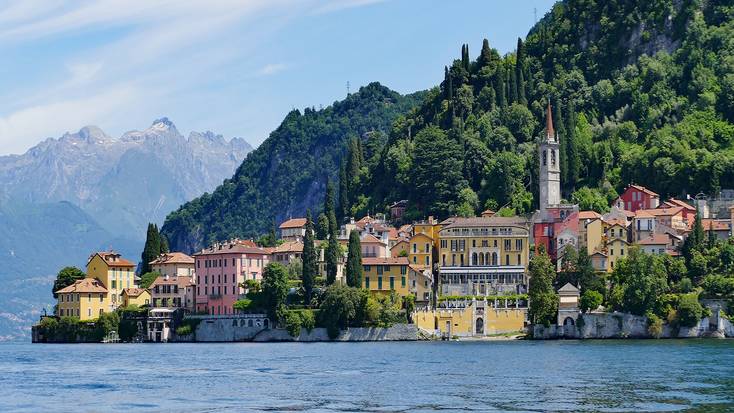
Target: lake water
(653, 375)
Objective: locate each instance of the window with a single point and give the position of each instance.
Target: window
(403, 269)
(518, 244)
(553, 157)
(379, 283)
(402, 281)
(507, 259)
(428, 248)
(392, 283)
(495, 243)
(621, 251)
(367, 282)
(611, 251)
(233, 262)
(367, 268)
(415, 259)
(508, 245)
(519, 261)
(427, 263)
(545, 158)
(444, 244)
(101, 298)
(89, 312)
(225, 262)
(415, 248)
(474, 243)
(225, 290)
(379, 270)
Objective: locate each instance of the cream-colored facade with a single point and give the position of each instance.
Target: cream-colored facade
(591, 235)
(484, 256)
(115, 272)
(173, 264)
(85, 299)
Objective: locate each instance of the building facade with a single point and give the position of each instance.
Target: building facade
(383, 275)
(115, 273)
(483, 256)
(173, 264)
(293, 229)
(86, 299)
(220, 271)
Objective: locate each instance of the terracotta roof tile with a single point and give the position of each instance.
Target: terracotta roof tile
(173, 258)
(385, 261)
(85, 285)
(133, 292)
(645, 190)
(293, 223)
(589, 215)
(655, 239)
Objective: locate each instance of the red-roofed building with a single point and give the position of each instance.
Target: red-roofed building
(373, 247)
(637, 197)
(293, 229)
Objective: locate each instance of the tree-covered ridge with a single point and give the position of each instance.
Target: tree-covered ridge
(642, 92)
(287, 173)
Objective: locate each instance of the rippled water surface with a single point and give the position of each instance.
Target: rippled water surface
(672, 375)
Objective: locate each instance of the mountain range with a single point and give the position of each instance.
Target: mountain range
(87, 191)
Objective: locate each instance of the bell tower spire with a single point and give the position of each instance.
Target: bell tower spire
(550, 169)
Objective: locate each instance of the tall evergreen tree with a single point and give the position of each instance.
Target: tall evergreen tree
(695, 239)
(465, 61)
(520, 72)
(353, 166)
(563, 150)
(164, 244)
(310, 260)
(543, 300)
(329, 202)
(572, 148)
(500, 87)
(152, 248)
(354, 260)
(485, 56)
(343, 209)
(449, 85)
(512, 86)
(332, 248)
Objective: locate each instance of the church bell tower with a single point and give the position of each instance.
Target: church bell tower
(550, 169)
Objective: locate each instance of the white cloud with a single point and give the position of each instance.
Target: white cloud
(271, 69)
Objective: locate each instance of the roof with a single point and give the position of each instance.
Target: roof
(488, 213)
(112, 258)
(486, 221)
(231, 248)
(643, 189)
(421, 234)
(370, 239)
(385, 261)
(180, 281)
(392, 233)
(642, 213)
(85, 285)
(664, 212)
(614, 221)
(289, 246)
(602, 253)
(655, 239)
(134, 292)
(173, 258)
(549, 121)
(589, 215)
(293, 223)
(568, 288)
(715, 224)
(677, 202)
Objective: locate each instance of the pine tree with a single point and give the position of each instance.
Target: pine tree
(572, 148)
(520, 72)
(354, 260)
(343, 209)
(310, 260)
(152, 248)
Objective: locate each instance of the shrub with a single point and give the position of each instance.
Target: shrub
(184, 330)
(654, 325)
(689, 310)
(292, 322)
(244, 304)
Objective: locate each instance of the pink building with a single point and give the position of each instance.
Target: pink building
(220, 269)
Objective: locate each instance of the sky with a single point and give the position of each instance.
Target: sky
(235, 67)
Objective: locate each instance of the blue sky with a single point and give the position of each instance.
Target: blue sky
(230, 66)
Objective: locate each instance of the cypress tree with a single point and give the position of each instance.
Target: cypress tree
(354, 261)
(164, 244)
(465, 56)
(485, 56)
(519, 72)
(558, 122)
(329, 200)
(500, 87)
(332, 252)
(512, 86)
(310, 261)
(343, 210)
(152, 248)
(572, 147)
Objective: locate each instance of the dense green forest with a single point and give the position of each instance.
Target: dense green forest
(288, 172)
(642, 92)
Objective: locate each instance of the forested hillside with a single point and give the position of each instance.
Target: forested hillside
(288, 172)
(642, 92)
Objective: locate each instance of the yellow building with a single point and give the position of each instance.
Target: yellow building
(616, 244)
(474, 319)
(382, 275)
(430, 227)
(591, 231)
(135, 296)
(420, 252)
(86, 299)
(400, 248)
(420, 282)
(484, 255)
(115, 273)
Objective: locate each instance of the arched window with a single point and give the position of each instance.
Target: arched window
(481, 259)
(494, 258)
(553, 157)
(545, 158)
(480, 326)
(474, 259)
(249, 323)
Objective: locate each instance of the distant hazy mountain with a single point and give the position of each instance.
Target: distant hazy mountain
(86, 191)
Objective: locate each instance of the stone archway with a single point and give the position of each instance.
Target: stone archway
(569, 321)
(479, 324)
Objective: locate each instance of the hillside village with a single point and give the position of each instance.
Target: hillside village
(459, 276)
